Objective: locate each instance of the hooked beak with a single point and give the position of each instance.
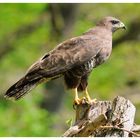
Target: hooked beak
(122, 26)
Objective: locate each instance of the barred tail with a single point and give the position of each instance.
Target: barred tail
(22, 87)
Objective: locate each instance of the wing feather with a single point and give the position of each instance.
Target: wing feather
(67, 55)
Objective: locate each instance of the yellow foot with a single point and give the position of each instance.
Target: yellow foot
(77, 101)
(91, 100)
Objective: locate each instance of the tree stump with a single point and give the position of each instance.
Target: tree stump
(104, 119)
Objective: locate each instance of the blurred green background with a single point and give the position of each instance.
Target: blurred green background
(28, 31)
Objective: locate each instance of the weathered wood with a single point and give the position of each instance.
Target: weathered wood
(121, 115)
(136, 129)
(85, 127)
(103, 119)
(91, 111)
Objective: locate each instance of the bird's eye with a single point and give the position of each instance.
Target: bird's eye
(45, 56)
(114, 21)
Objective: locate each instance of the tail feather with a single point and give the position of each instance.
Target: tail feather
(20, 88)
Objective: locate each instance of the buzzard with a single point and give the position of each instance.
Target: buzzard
(74, 59)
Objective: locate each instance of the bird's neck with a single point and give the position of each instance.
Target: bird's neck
(100, 31)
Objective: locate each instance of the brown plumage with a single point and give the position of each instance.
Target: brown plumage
(74, 59)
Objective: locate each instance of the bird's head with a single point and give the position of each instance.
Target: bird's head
(111, 23)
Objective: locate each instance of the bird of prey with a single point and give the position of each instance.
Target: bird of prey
(74, 59)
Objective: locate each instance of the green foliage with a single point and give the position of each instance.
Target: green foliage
(25, 118)
(69, 122)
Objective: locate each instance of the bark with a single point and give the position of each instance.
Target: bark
(104, 119)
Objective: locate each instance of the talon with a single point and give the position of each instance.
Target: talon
(92, 101)
(88, 99)
(77, 101)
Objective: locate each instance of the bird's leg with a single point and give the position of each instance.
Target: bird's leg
(76, 98)
(88, 97)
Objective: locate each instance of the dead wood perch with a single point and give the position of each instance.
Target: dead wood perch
(104, 119)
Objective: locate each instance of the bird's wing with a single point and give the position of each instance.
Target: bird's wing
(67, 55)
